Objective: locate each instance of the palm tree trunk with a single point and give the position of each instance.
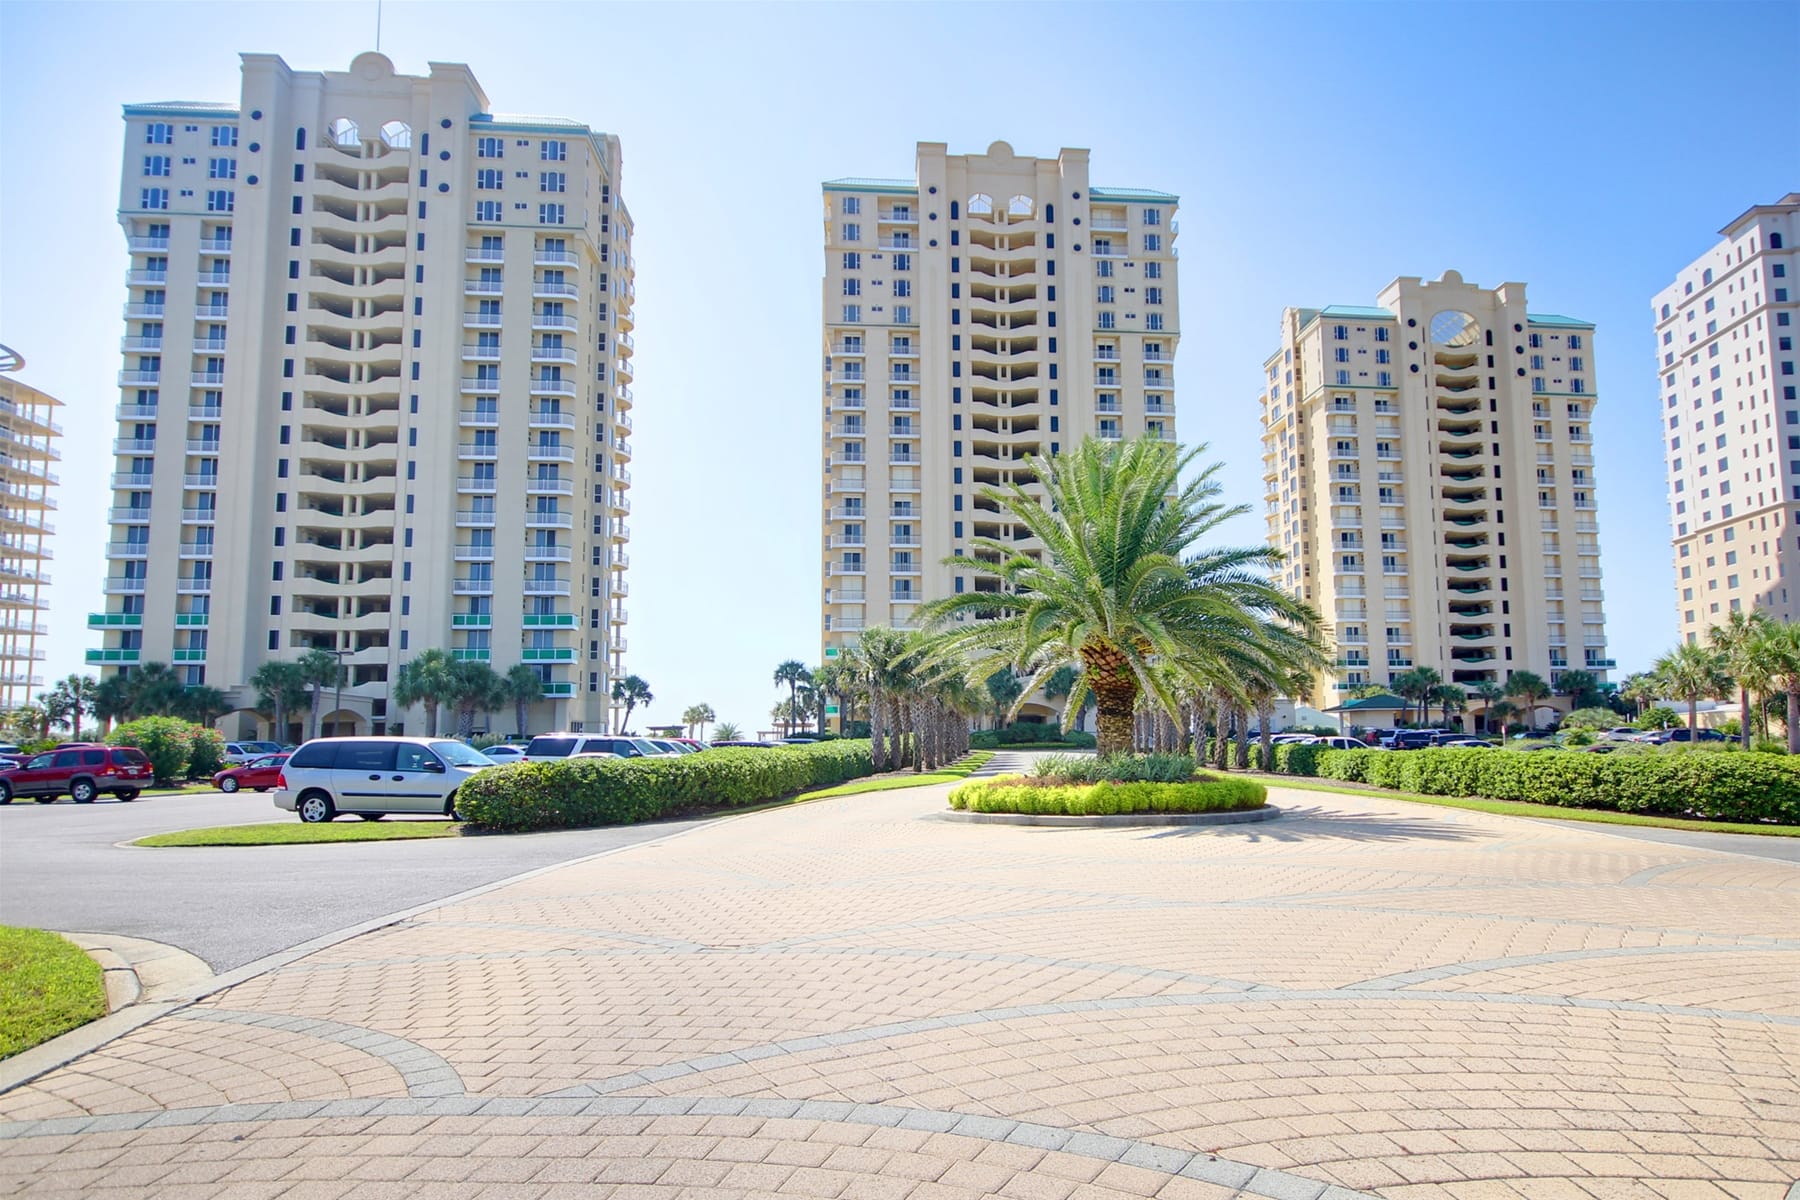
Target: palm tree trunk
(1693, 716)
(877, 746)
(1242, 756)
(1744, 717)
(317, 696)
(1793, 716)
(1265, 717)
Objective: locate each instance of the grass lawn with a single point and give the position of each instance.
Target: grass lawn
(1517, 808)
(48, 985)
(294, 833)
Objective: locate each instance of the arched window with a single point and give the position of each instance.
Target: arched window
(979, 203)
(1021, 206)
(397, 135)
(1049, 212)
(1665, 312)
(955, 210)
(1774, 241)
(1706, 277)
(299, 139)
(344, 132)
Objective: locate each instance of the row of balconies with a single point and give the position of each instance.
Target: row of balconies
(538, 386)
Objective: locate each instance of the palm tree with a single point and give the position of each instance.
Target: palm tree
(524, 687)
(75, 696)
(155, 690)
(1497, 712)
(1781, 653)
(112, 700)
(203, 705)
(1740, 639)
(1450, 698)
(1004, 689)
(1487, 692)
(425, 680)
(1693, 672)
(696, 716)
(878, 662)
(1112, 591)
(1639, 687)
(726, 732)
(630, 691)
(279, 689)
(793, 672)
(1581, 687)
(476, 687)
(1420, 683)
(812, 702)
(1530, 690)
(319, 672)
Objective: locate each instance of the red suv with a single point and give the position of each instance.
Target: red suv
(83, 771)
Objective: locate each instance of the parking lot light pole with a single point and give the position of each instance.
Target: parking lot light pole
(337, 705)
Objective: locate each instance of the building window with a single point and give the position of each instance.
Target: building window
(224, 135)
(852, 206)
(552, 181)
(223, 200)
(852, 260)
(851, 232)
(487, 179)
(487, 210)
(550, 214)
(155, 198)
(1152, 295)
(553, 151)
(1152, 243)
(852, 287)
(221, 168)
(158, 133)
(852, 314)
(156, 165)
(490, 147)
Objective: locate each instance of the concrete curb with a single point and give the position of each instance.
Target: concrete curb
(1122, 821)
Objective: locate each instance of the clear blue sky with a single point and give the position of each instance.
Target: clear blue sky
(1320, 151)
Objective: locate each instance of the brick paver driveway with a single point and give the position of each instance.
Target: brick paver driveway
(854, 998)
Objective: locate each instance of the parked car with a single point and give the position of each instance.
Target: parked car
(243, 752)
(374, 776)
(1418, 739)
(1622, 733)
(1466, 743)
(670, 746)
(548, 747)
(1340, 743)
(506, 753)
(744, 745)
(1682, 735)
(1293, 739)
(262, 774)
(81, 771)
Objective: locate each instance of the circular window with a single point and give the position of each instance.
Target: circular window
(256, 114)
(250, 179)
(255, 147)
(443, 187)
(933, 189)
(1453, 328)
(443, 156)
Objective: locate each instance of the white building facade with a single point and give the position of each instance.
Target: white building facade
(1430, 478)
(993, 307)
(1730, 415)
(375, 393)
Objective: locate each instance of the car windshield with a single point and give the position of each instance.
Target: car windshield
(272, 761)
(459, 755)
(645, 745)
(551, 747)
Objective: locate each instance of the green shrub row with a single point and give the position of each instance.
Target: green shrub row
(177, 749)
(616, 791)
(1030, 734)
(1007, 794)
(1115, 768)
(1719, 787)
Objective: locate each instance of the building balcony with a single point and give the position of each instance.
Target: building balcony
(146, 245)
(479, 419)
(207, 379)
(847, 539)
(476, 485)
(128, 550)
(535, 486)
(193, 585)
(201, 482)
(549, 620)
(115, 656)
(115, 620)
(899, 216)
(477, 254)
(213, 278)
(139, 378)
(471, 654)
(558, 690)
(542, 290)
(471, 620)
(537, 452)
(212, 311)
(545, 520)
(546, 587)
(473, 587)
(128, 516)
(480, 353)
(550, 419)
(134, 445)
(541, 321)
(146, 278)
(151, 345)
(481, 385)
(553, 387)
(543, 354)
(906, 597)
(555, 258)
(482, 287)
(132, 479)
(548, 554)
(535, 654)
(203, 446)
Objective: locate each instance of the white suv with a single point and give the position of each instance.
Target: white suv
(375, 776)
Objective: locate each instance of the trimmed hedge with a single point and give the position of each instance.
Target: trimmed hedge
(620, 791)
(1030, 734)
(1009, 794)
(1714, 786)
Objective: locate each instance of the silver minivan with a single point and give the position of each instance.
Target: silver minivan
(374, 776)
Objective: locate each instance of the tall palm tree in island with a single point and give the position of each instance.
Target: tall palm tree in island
(1125, 588)
(1694, 672)
(632, 692)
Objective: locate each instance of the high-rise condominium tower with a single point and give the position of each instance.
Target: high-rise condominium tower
(27, 448)
(1430, 475)
(1731, 421)
(991, 308)
(374, 392)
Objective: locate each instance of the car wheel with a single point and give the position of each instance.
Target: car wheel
(229, 784)
(262, 789)
(128, 795)
(371, 816)
(5, 794)
(450, 808)
(83, 791)
(50, 798)
(316, 808)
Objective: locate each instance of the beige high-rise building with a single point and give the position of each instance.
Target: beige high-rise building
(28, 436)
(992, 307)
(375, 390)
(1731, 421)
(1430, 475)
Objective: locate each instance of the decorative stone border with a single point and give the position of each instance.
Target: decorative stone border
(1267, 812)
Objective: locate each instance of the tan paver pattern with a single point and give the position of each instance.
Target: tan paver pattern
(854, 999)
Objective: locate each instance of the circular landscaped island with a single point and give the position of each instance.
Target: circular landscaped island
(1128, 790)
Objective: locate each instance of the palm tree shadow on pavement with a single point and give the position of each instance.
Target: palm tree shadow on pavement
(1315, 823)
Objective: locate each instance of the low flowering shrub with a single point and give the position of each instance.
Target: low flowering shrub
(168, 742)
(1747, 787)
(581, 792)
(1114, 768)
(1018, 794)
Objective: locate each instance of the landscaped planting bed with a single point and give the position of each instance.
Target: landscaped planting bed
(1120, 785)
(1711, 784)
(607, 791)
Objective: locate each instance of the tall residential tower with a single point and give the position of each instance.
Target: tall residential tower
(375, 389)
(990, 308)
(28, 434)
(1430, 475)
(1731, 420)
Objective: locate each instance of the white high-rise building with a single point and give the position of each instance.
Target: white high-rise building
(1731, 421)
(28, 434)
(374, 397)
(1430, 477)
(992, 307)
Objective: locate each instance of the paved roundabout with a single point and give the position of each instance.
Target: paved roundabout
(848, 999)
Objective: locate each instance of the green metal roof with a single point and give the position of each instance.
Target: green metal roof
(1100, 193)
(1553, 319)
(1356, 312)
(1385, 702)
(181, 108)
(858, 183)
